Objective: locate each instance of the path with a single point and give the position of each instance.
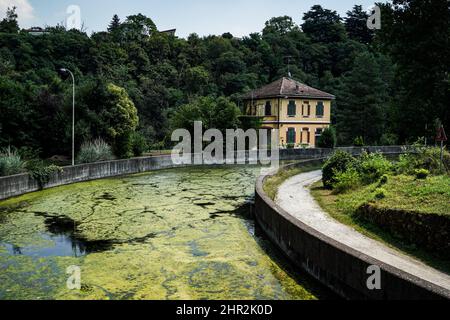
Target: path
(294, 197)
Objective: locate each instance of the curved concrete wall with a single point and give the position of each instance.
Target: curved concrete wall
(341, 268)
(23, 183)
(17, 185)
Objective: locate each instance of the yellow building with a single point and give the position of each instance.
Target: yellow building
(300, 112)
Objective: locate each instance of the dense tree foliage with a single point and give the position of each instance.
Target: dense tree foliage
(391, 83)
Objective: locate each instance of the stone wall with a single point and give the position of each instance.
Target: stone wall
(426, 230)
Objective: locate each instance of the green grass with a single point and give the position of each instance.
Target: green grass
(272, 184)
(429, 196)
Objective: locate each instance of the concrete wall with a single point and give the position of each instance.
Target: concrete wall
(339, 267)
(20, 184)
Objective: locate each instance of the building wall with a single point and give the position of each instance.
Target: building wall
(303, 122)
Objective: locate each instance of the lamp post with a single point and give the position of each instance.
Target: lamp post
(64, 70)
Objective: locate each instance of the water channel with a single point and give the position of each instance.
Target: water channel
(173, 234)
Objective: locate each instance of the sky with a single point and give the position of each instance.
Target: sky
(204, 17)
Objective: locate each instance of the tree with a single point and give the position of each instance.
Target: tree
(328, 138)
(114, 26)
(356, 25)
(362, 102)
(416, 35)
(9, 24)
(280, 25)
(196, 79)
(122, 118)
(215, 113)
(323, 25)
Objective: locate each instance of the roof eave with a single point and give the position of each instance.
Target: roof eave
(284, 96)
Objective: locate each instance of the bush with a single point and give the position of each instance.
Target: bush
(424, 158)
(422, 174)
(373, 166)
(41, 172)
(139, 144)
(347, 180)
(388, 139)
(290, 146)
(405, 164)
(10, 162)
(384, 180)
(339, 162)
(123, 147)
(327, 139)
(95, 151)
(359, 142)
(380, 193)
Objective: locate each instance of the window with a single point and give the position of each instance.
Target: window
(268, 109)
(305, 136)
(291, 139)
(320, 110)
(292, 109)
(306, 109)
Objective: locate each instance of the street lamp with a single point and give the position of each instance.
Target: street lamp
(64, 70)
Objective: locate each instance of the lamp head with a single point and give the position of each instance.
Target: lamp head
(63, 70)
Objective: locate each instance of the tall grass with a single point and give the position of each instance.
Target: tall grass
(10, 162)
(95, 151)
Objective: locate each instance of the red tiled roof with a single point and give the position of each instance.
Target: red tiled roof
(286, 87)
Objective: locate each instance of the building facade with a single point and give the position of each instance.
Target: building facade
(300, 112)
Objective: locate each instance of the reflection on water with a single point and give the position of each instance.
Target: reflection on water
(175, 234)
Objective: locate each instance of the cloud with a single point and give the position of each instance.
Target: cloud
(25, 11)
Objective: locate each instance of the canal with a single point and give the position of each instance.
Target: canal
(174, 234)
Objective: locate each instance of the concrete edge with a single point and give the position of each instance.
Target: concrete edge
(17, 185)
(339, 267)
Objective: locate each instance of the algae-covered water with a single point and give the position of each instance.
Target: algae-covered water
(175, 234)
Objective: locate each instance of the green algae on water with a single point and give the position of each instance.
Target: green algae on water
(174, 234)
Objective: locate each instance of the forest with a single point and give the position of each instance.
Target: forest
(134, 87)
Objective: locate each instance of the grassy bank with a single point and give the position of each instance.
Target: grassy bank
(272, 184)
(406, 193)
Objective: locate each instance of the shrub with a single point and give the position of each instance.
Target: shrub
(139, 144)
(95, 151)
(327, 139)
(10, 162)
(359, 142)
(405, 164)
(373, 166)
(424, 158)
(123, 147)
(339, 162)
(388, 139)
(422, 174)
(290, 146)
(384, 180)
(347, 180)
(41, 172)
(380, 193)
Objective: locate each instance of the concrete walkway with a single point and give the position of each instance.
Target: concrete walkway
(294, 197)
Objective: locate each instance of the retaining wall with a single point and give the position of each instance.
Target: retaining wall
(20, 184)
(339, 267)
